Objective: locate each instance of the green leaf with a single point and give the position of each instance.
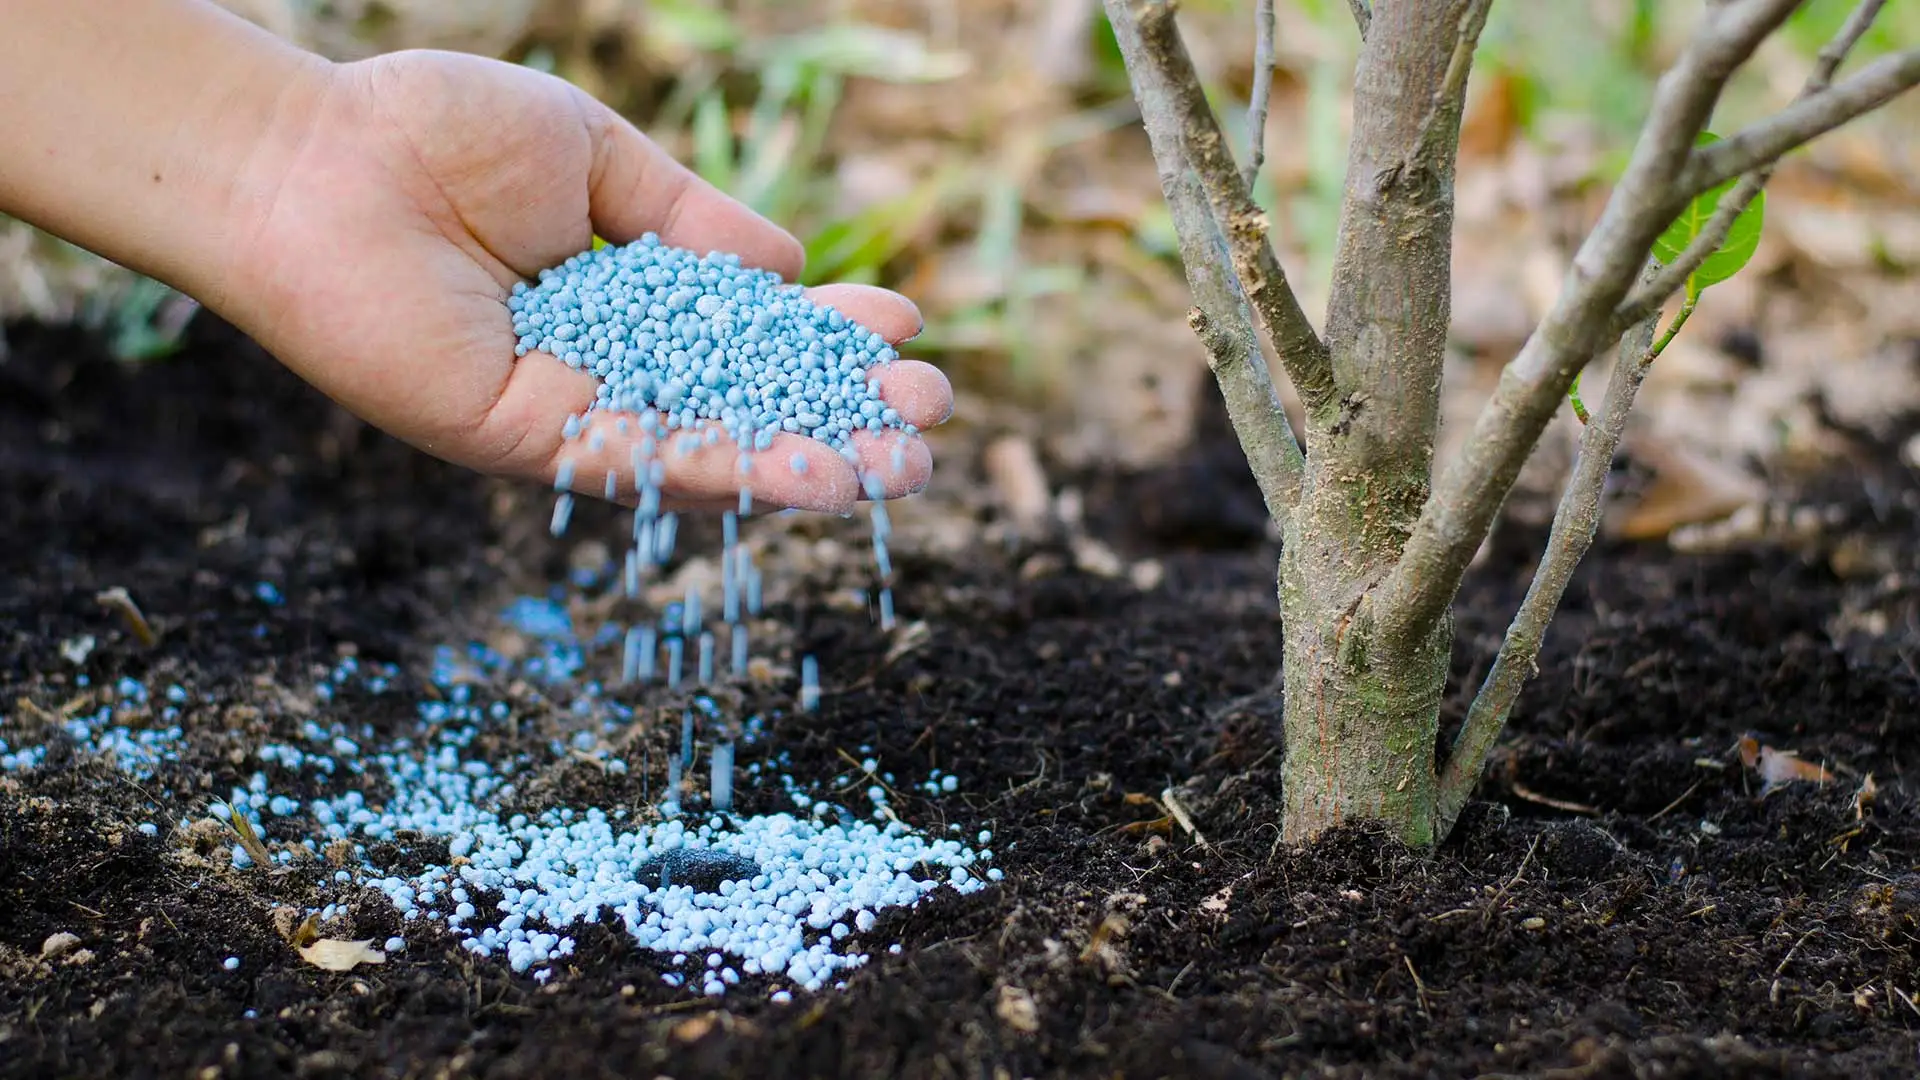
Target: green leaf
(713, 149)
(1733, 254)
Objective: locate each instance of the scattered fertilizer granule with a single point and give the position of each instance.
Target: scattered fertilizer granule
(690, 349)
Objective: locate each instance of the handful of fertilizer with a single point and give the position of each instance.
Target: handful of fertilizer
(703, 339)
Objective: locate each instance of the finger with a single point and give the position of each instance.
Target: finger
(794, 472)
(892, 464)
(522, 431)
(883, 311)
(918, 391)
(636, 187)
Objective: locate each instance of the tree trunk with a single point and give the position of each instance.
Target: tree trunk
(1362, 715)
(1363, 707)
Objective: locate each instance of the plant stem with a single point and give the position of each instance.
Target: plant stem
(1804, 120)
(1222, 317)
(1577, 517)
(1262, 94)
(1650, 294)
(1150, 42)
(1462, 507)
(1574, 524)
(1362, 16)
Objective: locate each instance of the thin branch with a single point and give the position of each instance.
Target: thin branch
(1468, 496)
(1648, 297)
(1575, 523)
(1391, 292)
(1452, 98)
(1224, 324)
(1362, 16)
(1151, 43)
(1577, 518)
(1263, 61)
(1804, 120)
(1222, 317)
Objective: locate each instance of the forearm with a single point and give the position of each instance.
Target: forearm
(147, 130)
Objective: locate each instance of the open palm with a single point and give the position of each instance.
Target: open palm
(425, 184)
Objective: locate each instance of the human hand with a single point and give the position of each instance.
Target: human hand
(423, 186)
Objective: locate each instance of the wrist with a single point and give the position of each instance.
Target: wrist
(265, 133)
(153, 158)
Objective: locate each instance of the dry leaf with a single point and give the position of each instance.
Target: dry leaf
(1864, 797)
(1784, 767)
(1687, 489)
(693, 1029)
(333, 954)
(1013, 465)
(1160, 825)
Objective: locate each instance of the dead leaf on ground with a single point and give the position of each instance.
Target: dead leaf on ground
(1777, 767)
(333, 954)
(1864, 798)
(1688, 488)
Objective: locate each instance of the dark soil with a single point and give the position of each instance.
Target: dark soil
(1628, 901)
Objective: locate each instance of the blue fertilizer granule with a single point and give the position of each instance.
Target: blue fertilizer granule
(705, 341)
(689, 349)
(792, 900)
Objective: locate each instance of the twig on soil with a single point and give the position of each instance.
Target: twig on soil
(1773, 992)
(121, 601)
(1419, 987)
(34, 709)
(1532, 796)
(1176, 979)
(1493, 905)
(1179, 812)
(1665, 810)
(1031, 783)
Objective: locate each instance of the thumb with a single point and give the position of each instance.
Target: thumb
(636, 187)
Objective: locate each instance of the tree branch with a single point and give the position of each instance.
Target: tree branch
(1578, 516)
(1362, 16)
(1651, 293)
(1804, 120)
(1467, 499)
(1392, 289)
(1575, 522)
(1221, 318)
(1224, 324)
(1262, 95)
(1452, 98)
(1150, 44)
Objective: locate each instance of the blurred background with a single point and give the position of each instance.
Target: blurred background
(985, 158)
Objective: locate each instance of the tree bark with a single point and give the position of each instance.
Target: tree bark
(1362, 711)
(1362, 719)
